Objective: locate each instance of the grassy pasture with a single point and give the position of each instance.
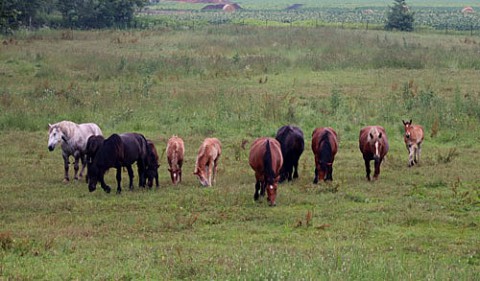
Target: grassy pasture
(238, 83)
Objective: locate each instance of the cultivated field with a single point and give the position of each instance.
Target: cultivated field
(237, 83)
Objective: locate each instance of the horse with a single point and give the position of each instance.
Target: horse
(324, 147)
(266, 160)
(413, 141)
(119, 151)
(373, 144)
(94, 143)
(175, 153)
(207, 161)
(292, 145)
(73, 138)
(152, 165)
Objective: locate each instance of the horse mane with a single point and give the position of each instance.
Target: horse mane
(152, 160)
(175, 146)
(66, 127)
(111, 153)
(325, 150)
(267, 164)
(201, 152)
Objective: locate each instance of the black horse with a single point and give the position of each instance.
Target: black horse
(119, 151)
(93, 145)
(292, 145)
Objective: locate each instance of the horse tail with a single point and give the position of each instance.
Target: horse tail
(267, 164)
(325, 151)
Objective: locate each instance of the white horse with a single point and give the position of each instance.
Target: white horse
(73, 138)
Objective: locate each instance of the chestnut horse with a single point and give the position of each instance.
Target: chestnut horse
(266, 160)
(292, 144)
(207, 161)
(413, 140)
(151, 172)
(324, 147)
(175, 153)
(373, 144)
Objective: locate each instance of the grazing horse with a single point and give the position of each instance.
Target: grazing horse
(152, 165)
(207, 161)
(73, 138)
(324, 147)
(292, 145)
(94, 143)
(373, 144)
(413, 140)
(175, 152)
(119, 151)
(266, 160)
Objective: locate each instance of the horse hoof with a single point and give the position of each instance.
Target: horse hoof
(66, 180)
(107, 189)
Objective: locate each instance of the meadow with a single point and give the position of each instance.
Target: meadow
(237, 83)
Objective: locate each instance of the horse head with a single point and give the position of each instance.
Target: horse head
(55, 135)
(376, 142)
(201, 177)
(408, 126)
(175, 175)
(272, 193)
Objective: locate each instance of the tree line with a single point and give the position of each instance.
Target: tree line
(80, 14)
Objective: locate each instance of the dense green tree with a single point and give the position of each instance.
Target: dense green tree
(400, 17)
(26, 13)
(98, 13)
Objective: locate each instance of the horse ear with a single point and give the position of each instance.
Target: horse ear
(404, 123)
(49, 126)
(410, 121)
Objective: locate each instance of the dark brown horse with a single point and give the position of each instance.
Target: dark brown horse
(413, 141)
(373, 144)
(93, 145)
(119, 151)
(324, 147)
(152, 165)
(175, 151)
(292, 145)
(266, 160)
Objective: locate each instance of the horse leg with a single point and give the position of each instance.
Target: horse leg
(329, 176)
(119, 180)
(411, 152)
(141, 174)
(367, 168)
(419, 150)
(315, 178)
(215, 170)
(105, 187)
(130, 176)
(295, 173)
(256, 195)
(83, 158)
(377, 168)
(65, 164)
(263, 184)
(76, 157)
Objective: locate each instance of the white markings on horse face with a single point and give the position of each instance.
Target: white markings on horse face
(377, 154)
(54, 137)
(271, 187)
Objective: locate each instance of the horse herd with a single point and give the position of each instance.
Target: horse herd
(274, 160)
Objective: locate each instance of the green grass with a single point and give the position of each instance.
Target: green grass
(239, 83)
